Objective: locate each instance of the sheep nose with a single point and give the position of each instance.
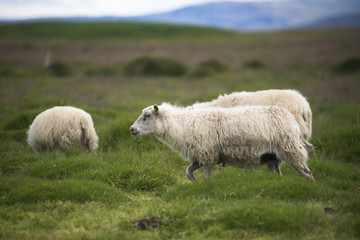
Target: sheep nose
(133, 131)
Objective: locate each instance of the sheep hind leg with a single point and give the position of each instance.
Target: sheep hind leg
(271, 161)
(274, 167)
(190, 171)
(85, 141)
(309, 147)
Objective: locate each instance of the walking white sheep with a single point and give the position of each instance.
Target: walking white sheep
(62, 128)
(292, 100)
(245, 136)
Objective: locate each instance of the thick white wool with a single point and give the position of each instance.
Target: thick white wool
(62, 128)
(292, 100)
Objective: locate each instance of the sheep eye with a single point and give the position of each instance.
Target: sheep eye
(147, 115)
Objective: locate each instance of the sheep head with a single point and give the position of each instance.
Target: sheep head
(146, 123)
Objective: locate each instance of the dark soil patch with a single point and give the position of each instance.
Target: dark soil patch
(329, 210)
(148, 223)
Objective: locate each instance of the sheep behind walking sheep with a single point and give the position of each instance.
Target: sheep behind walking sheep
(292, 100)
(244, 137)
(62, 128)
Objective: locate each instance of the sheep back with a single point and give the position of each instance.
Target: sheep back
(62, 128)
(292, 100)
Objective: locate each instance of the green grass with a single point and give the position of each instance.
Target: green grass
(102, 195)
(254, 63)
(60, 69)
(348, 66)
(106, 31)
(154, 66)
(214, 65)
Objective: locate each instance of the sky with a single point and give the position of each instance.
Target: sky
(28, 9)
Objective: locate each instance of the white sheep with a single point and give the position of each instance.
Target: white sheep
(62, 128)
(292, 100)
(245, 136)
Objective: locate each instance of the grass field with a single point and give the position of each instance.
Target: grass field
(136, 188)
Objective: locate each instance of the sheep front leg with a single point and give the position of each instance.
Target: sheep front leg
(190, 171)
(207, 171)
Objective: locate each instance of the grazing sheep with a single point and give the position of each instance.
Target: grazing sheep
(62, 128)
(292, 100)
(245, 136)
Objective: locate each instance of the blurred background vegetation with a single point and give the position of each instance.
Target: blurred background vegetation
(113, 71)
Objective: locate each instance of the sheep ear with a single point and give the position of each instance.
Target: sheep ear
(157, 110)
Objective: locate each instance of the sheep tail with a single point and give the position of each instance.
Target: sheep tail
(309, 122)
(85, 137)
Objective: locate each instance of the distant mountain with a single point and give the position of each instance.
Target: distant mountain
(349, 20)
(263, 15)
(252, 16)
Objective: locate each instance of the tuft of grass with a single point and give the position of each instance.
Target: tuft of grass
(13, 135)
(61, 165)
(344, 144)
(201, 72)
(118, 172)
(246, 219)
(14, 71)
(214, 65)
(32, 102)
(154, 66)
(254, 64)
(10, 72)
(339, 131)
(25, 190)
(101, 71)
(60, 69)
(137, 179)
(231, 183)
(208, 68)
(270, 218)
(20, 120)
(118, 131)
(15, 163)
(348, 66)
